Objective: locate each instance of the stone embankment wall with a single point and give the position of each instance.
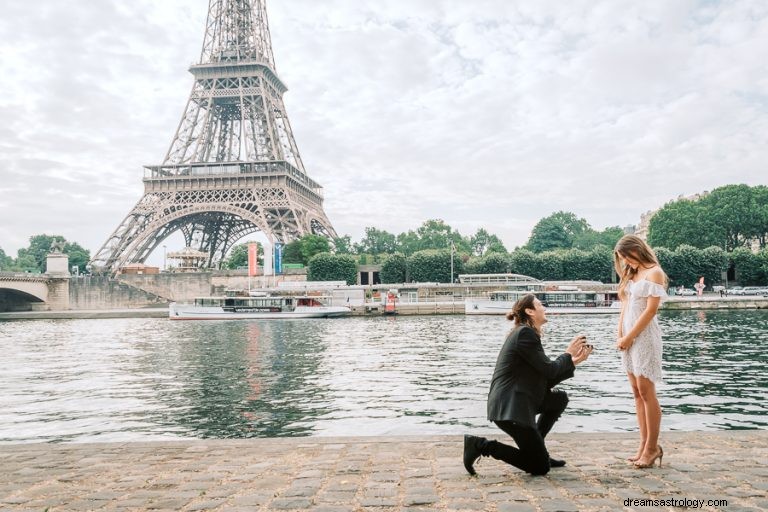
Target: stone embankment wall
(96, 292)
(172, 287)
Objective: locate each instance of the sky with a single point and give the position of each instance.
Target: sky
(485, 114)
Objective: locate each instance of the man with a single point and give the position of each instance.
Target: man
(521, 388)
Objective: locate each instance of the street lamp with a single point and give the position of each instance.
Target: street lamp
(453, 249)
(165, 260)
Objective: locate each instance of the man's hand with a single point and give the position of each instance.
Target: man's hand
(578, 349)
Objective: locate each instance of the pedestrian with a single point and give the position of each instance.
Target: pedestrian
(521, 388)
(642, 288)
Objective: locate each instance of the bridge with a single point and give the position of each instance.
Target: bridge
(33, 292)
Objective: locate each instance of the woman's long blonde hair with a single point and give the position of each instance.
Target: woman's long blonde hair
(636, 248)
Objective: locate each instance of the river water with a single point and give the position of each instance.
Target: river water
(153, 379)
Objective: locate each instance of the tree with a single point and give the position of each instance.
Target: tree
(431, 265)
(313, 244)
(39, 248)
(6, 262)
(748, 265)
(34, 257)
(394, 269)
(482, 242)
(494, 263)
(590, 239)
(732, 210)
(523, 261)
(78, 256)
(238, 256)
(342, 245)
(332, 267)
(558, 231)
(730, 217)
(302, 250)
(408, 243)
(292, 252)
(377, 241)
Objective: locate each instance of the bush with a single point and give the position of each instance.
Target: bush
(394, 268)
(433, 265)
(332, 267)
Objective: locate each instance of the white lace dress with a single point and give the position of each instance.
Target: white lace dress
(644, 356)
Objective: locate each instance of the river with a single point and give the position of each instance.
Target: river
(154, 379)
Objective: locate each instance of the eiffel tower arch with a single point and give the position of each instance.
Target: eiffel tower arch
(233, 167)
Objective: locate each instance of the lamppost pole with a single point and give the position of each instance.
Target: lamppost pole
(453, 248)
(165, 260)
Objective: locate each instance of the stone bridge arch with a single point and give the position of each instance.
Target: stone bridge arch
(22, 292)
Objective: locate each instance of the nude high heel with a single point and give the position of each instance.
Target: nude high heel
(650, 463)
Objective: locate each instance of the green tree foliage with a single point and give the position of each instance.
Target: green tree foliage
(431, 265)
(549, 265)
(483, 242)
(238, 256)
(394, 269)
(332, 267)
(730, 217)
(377, 241)
(343, 245)
(6, 262)
(302, 250)
(523, 261)
(686, 264)
(558, 231)
(292, 253)
(78, 256)
(494, 263)
(750, 267)
(34, 257)
(39, 248)
(408, 243)
(313, 244)
(591, 239)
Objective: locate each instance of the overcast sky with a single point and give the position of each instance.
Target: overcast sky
(489, 113)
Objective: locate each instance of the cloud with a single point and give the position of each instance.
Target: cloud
(485, 114)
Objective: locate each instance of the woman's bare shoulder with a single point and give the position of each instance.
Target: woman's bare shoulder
(656, 275)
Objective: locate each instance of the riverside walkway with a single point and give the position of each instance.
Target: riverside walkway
(723, 470)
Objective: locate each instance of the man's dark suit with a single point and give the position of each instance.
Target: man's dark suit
(521, 388)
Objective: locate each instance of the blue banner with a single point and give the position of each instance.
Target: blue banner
(278, 258)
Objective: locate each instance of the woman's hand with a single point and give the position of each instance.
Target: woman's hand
(623, 343)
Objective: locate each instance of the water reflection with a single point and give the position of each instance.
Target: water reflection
(138, 379)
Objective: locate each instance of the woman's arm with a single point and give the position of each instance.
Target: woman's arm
(621, 318)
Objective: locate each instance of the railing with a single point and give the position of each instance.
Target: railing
(216, 169)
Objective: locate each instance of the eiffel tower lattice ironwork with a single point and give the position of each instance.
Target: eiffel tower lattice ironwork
(233, 167)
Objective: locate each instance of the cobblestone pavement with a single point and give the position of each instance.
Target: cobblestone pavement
(380, 474)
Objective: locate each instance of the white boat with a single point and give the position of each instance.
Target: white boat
(556, 302)
(265, 307)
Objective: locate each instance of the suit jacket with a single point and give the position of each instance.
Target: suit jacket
(523, 377)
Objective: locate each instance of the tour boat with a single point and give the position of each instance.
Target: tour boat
(266, 307)
(556, 302)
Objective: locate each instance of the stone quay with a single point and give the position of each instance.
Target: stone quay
(711, 470)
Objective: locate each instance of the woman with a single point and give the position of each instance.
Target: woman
(641, 290)
(521, 388)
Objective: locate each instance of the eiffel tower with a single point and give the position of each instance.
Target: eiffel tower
(233, 167)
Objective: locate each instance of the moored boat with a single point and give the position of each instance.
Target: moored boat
(556, 302)
(264, 307)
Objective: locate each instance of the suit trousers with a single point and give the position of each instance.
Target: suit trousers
(531, 455)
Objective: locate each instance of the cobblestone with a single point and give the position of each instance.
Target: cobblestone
(380, 474)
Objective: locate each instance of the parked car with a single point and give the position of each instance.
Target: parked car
(736, 290)
(685, 292)
(754, 290)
